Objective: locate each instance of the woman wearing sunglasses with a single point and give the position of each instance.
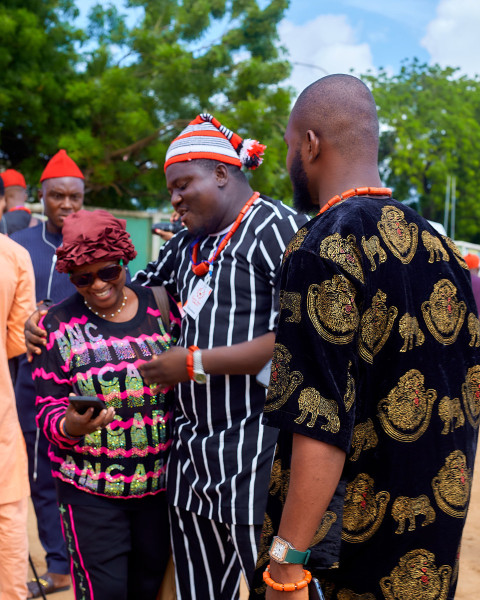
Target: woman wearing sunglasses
(109, 467)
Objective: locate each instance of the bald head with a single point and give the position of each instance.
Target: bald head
(341, 110)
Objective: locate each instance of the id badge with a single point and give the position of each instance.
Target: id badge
(197, 299)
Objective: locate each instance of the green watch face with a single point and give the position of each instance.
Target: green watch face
(199, 377)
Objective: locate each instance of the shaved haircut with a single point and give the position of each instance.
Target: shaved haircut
(340, 109)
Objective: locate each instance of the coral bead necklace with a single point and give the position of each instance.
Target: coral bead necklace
(361, 191)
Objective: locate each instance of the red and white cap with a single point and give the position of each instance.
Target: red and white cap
(206, 138)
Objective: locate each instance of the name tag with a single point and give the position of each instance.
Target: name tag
(197, 299)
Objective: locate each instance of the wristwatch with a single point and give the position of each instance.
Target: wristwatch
(199, 375)
(283, 552)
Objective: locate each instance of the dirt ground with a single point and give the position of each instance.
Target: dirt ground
(469, 577)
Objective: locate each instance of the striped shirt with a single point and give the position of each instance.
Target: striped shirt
(221, 456)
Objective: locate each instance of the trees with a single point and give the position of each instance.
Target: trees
(430, 128)
(131, 88)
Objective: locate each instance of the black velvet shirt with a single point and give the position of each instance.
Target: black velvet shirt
(377, 352)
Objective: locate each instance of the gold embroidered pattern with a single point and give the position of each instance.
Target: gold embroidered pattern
(471, 395)
(405, 413)
(328, 520)
(400, 237)
(410, 332)
(435, 247)
(349, 595)
(371, 247)
(311, 401)
(451, 413)
(443, 313)
(456, 251)
(405, 508)
(417, 576)
(375, 326)
(343, 252)
(291, 301)
(279, 480)
(265, 540)
(332, 309)
(474, 330)
(295, 243)
(364, 437)
(349, 396)
(451, 487)
(363, 510)
(282, 382)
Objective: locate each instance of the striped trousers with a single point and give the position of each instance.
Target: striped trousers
(210, 556)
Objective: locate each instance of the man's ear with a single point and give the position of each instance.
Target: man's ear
(221, 174)
(40, 195)
(313, 145)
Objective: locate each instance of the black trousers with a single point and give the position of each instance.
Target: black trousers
(210, 556)
(117, 553)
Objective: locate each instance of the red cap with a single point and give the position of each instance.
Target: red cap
(472, 260)
(61, 165)
(12, 177)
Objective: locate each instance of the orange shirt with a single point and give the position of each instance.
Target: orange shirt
(17, 302)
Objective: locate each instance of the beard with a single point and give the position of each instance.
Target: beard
(302, 200)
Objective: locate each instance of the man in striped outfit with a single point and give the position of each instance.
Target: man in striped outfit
(224, 267)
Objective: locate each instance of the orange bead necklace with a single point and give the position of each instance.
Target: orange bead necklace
(202, 268)
(361, 191)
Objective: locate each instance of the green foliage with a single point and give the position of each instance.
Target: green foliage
(115, 96)
(430, 128)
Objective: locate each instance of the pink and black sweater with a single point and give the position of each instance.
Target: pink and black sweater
(88, 355)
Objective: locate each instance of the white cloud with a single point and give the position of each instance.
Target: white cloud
(324, 45)
(452, 37)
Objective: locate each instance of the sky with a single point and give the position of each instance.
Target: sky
(325, 36)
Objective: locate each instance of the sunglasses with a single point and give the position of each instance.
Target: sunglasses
(106, 274)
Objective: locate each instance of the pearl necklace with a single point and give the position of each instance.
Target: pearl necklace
(105, 316)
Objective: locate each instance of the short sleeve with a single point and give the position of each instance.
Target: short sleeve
(312, 386)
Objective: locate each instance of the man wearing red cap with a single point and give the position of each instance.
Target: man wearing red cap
(224, 267)
(62, 194)
(17, 215)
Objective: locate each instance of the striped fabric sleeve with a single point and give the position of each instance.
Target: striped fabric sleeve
(52, 390)
(162, 270)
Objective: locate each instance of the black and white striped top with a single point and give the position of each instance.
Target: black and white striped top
(221, 456)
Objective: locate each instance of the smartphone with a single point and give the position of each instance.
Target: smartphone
(263, 376)
(315, 591)
(82, 403)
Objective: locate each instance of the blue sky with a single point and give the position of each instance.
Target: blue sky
(336, 36)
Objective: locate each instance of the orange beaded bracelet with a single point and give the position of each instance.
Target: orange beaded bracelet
(287, 587)
(191, 350)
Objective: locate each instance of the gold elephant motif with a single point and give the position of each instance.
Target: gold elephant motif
(372, 247)
(291, 301)
(451, 413)
(376, 326)
(349, 396)
(417, 578)
(312, 402)
(452, 485)
(405, 413)
(332, 309)
(471, 395)
(344, 252)
(407, 509)
(282, 382)
(400, 237)
(279, 480)
(364, 437)
(444, 314)
(410, 332)
(474, 330)
(295, 243)
(363, 510)
(326, 523)
(433, 245)
(456, 252)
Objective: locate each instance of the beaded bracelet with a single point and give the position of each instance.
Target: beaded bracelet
(64, 432)
(191, 350)
(287, 587)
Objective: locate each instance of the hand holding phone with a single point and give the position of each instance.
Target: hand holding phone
(86, 414)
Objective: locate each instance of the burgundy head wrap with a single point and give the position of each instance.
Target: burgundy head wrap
(91, 237)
